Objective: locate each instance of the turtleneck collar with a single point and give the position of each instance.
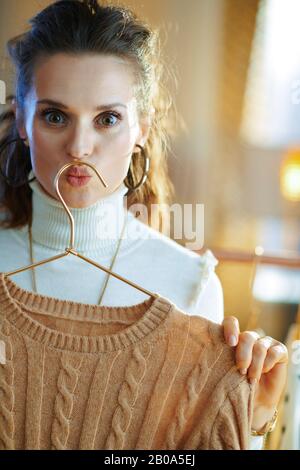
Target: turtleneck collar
(97, 227)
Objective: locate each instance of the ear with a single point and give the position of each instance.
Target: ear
(19, 120)
(145, 127)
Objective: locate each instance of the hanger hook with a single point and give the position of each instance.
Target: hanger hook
(56, 180)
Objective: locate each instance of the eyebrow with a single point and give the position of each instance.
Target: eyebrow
(98, 108)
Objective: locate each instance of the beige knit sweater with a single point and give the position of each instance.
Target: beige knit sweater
(146, 376)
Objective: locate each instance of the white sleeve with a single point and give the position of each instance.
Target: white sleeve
(207, 296)
(210, 303)
(256, 442)
(290, 421)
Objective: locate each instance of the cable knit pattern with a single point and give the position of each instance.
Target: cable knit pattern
(187, 404)
(67, 381)
(7, 397)
(160, 379)
(134, 375)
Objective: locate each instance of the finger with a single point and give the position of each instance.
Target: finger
(244, 350)
(277, 353)
(231, 330)
(259, 354)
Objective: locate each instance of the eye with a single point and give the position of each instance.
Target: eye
(48, 112)
(109, 119)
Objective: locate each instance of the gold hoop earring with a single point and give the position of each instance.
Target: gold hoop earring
(130, 184)
(23, 163)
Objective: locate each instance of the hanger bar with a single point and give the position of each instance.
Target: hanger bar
(30, 266)
(73, 252)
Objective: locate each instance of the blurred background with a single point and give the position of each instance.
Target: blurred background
(238, 69)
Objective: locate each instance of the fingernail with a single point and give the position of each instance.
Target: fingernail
(253, 381)
(232, 340)
(243, 371)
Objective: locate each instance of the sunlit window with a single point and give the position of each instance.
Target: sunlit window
(271, 113)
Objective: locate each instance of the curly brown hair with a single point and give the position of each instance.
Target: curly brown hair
(74, 27)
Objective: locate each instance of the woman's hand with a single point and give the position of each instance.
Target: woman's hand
(264, 361)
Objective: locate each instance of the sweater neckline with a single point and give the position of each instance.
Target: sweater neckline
(148, 316)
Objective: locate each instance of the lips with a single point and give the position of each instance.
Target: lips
(78, 172)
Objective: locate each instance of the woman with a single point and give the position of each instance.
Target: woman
(96, 71)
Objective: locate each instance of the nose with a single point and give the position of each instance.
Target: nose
(80, 145)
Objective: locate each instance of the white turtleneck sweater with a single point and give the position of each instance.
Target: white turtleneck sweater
(146, 257)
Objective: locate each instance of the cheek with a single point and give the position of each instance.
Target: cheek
(121, 142)
(116, 153)
(114, 166)
(44, 149)
(44, 159)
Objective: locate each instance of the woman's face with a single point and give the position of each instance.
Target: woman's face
(96, 122)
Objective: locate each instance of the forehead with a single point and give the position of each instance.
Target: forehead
(85, 78)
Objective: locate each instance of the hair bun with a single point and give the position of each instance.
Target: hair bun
(93, 5)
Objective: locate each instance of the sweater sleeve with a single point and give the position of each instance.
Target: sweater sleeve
(232, 426)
